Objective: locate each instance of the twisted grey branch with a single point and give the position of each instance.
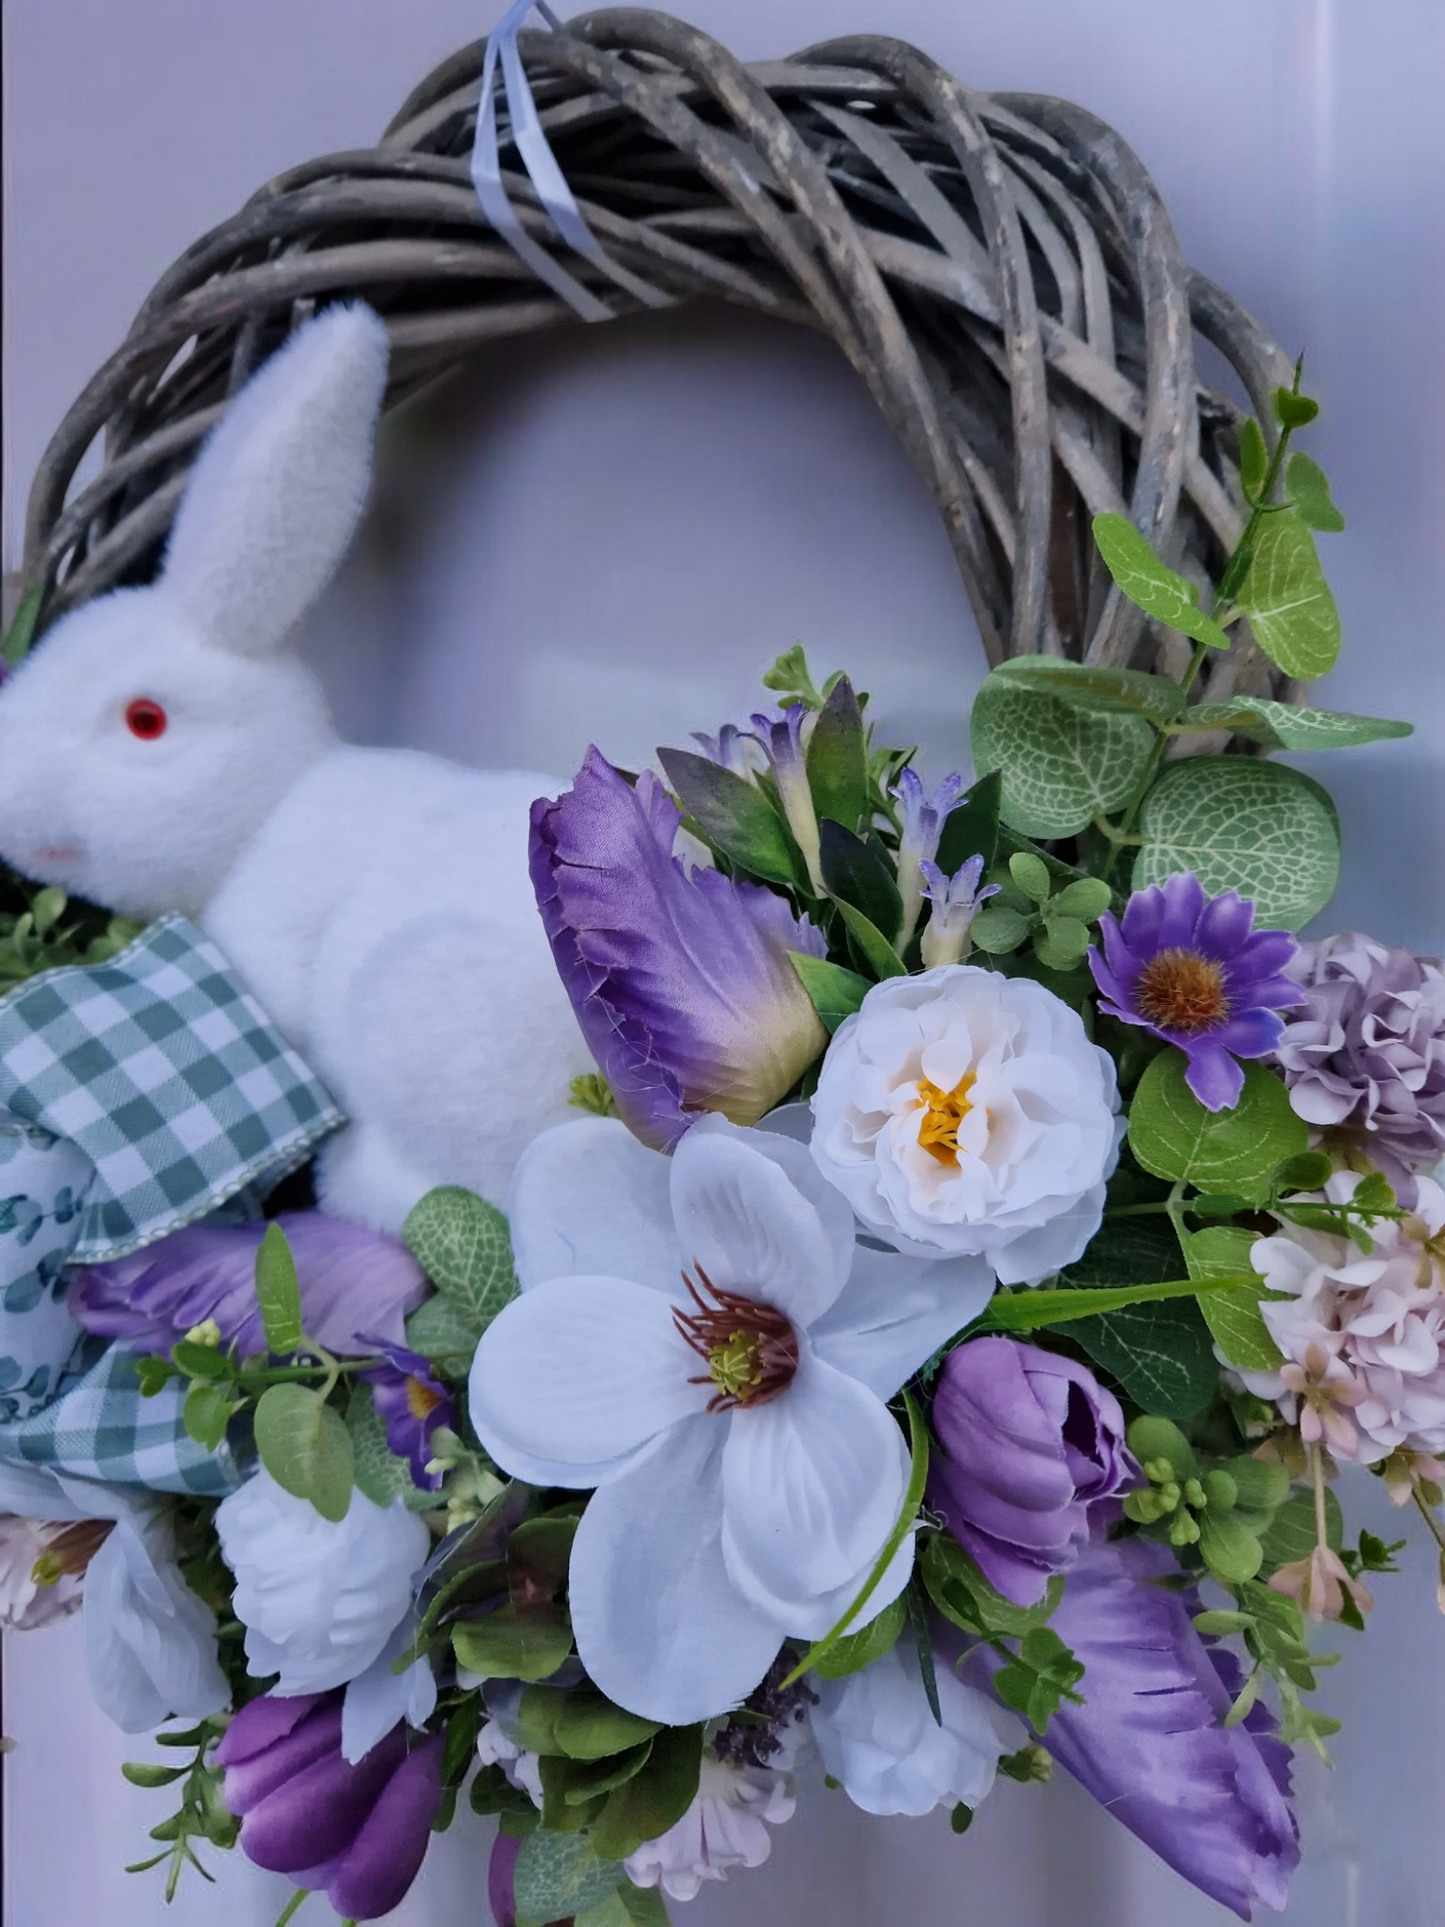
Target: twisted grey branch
(999, 269)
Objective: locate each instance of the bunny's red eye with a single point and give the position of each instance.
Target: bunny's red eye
(145, 719)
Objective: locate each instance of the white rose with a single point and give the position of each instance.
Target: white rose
(965, 1112)
(876, 1734)
(318, 1599)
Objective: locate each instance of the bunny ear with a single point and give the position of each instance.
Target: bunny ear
(278, 488)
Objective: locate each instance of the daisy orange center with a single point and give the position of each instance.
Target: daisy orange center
(1180, 990)
(943, 1112)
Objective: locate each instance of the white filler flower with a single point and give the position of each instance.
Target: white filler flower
(319, 1600)
(964, 1112)
(876, 1734)
(700, 1338)
(726, 1826)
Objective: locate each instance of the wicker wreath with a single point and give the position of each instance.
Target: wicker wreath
(999, 269)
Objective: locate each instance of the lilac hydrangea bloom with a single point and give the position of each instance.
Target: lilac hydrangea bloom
(1028, 1442)
(682, 983)
(1191, 969)
(413, 1403)
(1148, 1743)
(1366, 1054)
(356, 1286)
(358, 1831)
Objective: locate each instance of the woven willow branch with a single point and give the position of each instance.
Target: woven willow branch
(999, 269)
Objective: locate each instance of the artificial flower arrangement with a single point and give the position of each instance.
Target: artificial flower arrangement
(989, 1237)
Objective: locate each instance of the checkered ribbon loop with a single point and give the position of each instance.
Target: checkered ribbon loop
(168, 1075)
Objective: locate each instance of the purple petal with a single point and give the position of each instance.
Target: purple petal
(1213, 1076)
(353, 1282)
(1253, 1033)
(501, 1879)
(317, 1813)
(1183, 904)
(682, 984)
(260, 1723)
(251, 1780)
(374, 1873)
(1223, 925)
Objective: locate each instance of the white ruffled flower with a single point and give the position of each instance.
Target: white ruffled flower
(523, 1769)
(319, 1599)
(1363, 1335)
(964, 1112)
(747, 1465)
(877, 1736)
(726, 1826)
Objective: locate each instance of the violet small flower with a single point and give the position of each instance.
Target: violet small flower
(783, 742)
(955, 901)
(682, 983)
(413, 1403)
(734, 749)
(923, 817)
(1029, 1441)
(358, 1831)
(1191, 970)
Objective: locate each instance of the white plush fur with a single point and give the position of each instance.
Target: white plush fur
(376, 901)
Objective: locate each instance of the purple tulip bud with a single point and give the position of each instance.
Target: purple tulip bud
(1029, 1441)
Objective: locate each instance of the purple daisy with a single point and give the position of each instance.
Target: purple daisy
(413, 1403)
(1191, 969)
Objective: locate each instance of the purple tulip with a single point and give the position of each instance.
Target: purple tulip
(1147, 1743)
(356, 1286)
(681, 983)
(501, 1879)
(1190, 969)
(413, 1403)
(1028, 1442)
(360, 1832)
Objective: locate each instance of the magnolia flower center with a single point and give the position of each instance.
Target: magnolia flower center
(750, 1350)
(943, 1112)
(1180, 990)
(421, 1400)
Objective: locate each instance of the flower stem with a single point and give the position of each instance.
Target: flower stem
(1437, 1530)
(1317, 1469)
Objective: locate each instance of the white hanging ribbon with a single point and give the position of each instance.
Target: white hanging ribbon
(545, 175)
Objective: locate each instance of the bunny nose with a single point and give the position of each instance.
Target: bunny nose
(56, 853)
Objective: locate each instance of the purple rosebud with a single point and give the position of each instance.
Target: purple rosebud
(358, 1831)
(356, 1286)
(413, 1402)
(1192, 970)
(1028, 1442)
(1148, 1741)
(682, 983)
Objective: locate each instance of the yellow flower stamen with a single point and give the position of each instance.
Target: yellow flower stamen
(734, 1366)
(944, 1111)
(420, 1399)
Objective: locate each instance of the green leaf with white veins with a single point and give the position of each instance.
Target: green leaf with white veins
(1175, 1137)
(1242, 824)
(1061, 766)
(462, 1244)
(1282, 726)
(1152, 586)
(1287, 599)
(1310, 493)
(1108, 692)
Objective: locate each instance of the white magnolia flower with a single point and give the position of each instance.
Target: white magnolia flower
(150, 1643)
(964, 1112)
(319, 1599)
(748, 1468)
(726, 1826)
(876, 1734)
(1363, 1335)
(25, 1604)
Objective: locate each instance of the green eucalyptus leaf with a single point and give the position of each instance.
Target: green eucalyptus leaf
(836, 759)
(304, 1445)
(589, 1727)
(1287, 599)
(559, 1875)
(1292, 1535)
(997, 929)
(735, 815)
(854, 874)
(654, 1799)
(1283, 726)
(1253, 457)
(278, 1293)
(1152, 586)
(971, 826)
(1232, 1314)
(1061, 766)
(1062, 942)
(1242, 824)
(526, 1644)
(1106, 692)
(1261, 1485)
(1310, 493)
(1228, 1547)
(1175, 1137)
(644, 1906)
(877, 951)
(206, 1414)
(462, 1244)
(1160, 1354)
(142, 1773)
(1087, 900)
(854, 1651)
(836, 992)
(1031, 874)
(962, 1594)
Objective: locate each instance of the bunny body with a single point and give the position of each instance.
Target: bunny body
(376, 901)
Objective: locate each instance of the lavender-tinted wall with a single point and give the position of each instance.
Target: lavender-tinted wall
(606, 535)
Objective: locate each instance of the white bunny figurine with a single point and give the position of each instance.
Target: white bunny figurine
(165, 749)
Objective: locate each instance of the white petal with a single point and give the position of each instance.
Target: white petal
(150, 1643)
(895, 1312)
(821, 1615)
(378, 1698)
(783, 1136)
(813, 1483)
(1036, 1254)
(576, 1375)
(660, 1627)
(587, 1197)
(742, 1219)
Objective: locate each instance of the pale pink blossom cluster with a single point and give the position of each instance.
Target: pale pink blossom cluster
(1363, 1335)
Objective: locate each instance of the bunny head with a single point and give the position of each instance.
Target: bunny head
(153, 730)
